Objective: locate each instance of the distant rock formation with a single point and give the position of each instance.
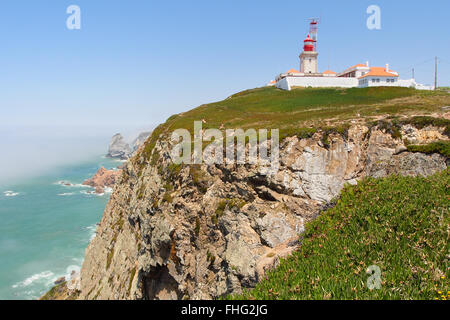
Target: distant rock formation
(139, 141)
(103, 179)
(119, 148)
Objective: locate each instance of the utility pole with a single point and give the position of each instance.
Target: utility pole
(435, 72)
(413, 74)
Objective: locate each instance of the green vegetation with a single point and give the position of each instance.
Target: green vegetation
(199, 178)
(210, 257)
(109, 258)
(197, 226)
(273, 108)
(441, 147)
(60, 292)
(393, 126)
(299, 111)
(399, 224)
(422, 122)
(390, 127)
(132, 274)
(167, 197)
(141, 192)
(224, 204)
(54, 292)
(341, 130)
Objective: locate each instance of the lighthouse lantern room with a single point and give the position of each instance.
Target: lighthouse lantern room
(308, 58)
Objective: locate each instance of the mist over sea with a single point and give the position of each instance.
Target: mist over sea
(45, 224)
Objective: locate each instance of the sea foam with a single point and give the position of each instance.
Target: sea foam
(10, 193)
(45, 275)
(66, 194)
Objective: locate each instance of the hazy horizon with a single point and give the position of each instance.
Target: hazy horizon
(30, 151)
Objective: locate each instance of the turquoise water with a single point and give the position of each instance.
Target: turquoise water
(45, 228)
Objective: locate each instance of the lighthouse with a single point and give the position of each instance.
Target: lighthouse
(308, 58)
(357, 76)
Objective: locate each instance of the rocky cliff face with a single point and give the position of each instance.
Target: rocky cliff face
(201, 232)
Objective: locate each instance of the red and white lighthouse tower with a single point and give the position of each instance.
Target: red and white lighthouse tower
(308, 58)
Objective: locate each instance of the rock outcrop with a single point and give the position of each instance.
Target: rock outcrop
(103, 179)
(139, 141)
(119, 148)
(201, 232)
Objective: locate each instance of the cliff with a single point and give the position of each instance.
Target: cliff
(205, 231)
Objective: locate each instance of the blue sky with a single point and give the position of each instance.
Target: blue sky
(135, 63)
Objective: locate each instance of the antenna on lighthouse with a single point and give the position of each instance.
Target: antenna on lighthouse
(313, 29)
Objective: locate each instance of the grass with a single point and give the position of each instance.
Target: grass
(441, 147)
(393, 126)
(301, 111)
(423, 121)
(223, 205)
(399, 224)
(273, 108)
(60, 292)
(199, 178)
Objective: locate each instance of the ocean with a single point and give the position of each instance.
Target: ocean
(45, 227)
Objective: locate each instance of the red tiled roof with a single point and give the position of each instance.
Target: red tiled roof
(378, 72)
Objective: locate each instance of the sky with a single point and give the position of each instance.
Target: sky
(135, 63)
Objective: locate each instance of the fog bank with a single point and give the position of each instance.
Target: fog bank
(27, 152)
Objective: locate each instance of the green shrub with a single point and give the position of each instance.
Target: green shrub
(441, 147)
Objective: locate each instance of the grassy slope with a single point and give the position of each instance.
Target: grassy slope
(269, 107)
(295, 112)
(398, 223)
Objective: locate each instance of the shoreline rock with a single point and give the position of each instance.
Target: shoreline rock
(103, 179)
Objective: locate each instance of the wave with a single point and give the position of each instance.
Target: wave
(92, 232)
(10, 193)
(88, 192)
(45, 275)
(68, 184)
(93, 193)
(66, 194)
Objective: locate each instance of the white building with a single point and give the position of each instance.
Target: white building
(360, 75)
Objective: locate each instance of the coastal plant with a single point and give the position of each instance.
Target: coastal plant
(441, 147)
(398, 224)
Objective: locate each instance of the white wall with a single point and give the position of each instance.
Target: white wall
(316, 82)
(308, 62)
(382, 82)
(283, 84)
(409, 83)
(320, 82)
